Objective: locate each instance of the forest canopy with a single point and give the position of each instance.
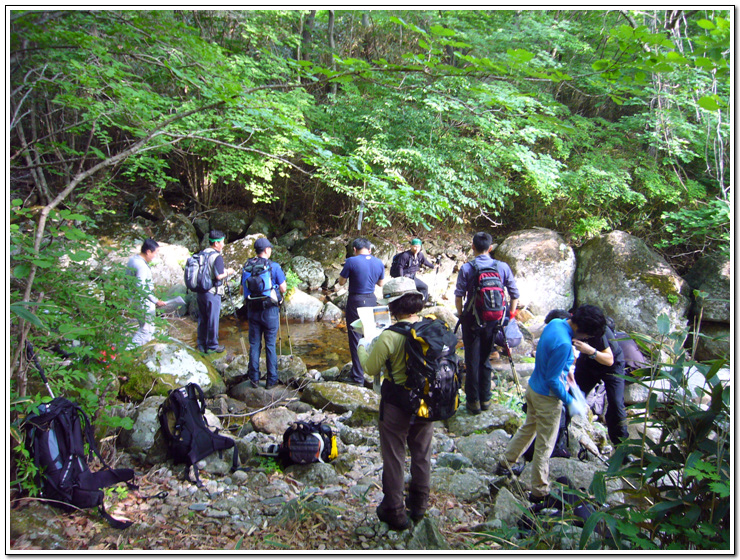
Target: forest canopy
(583, 121)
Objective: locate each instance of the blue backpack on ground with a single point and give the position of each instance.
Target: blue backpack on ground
(257, 280)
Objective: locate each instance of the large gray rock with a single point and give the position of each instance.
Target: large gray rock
(712, 274)
(310, 272)
(544, 267)
(168, 269)
(140, 438)
(233, 223)
(291, 238)
(315, 474)
(427, 536)
(498, 416)
(260, 224)
(161, 366)
(484, 450)
(340, 397)
(176, 230)
(325, 250)
(714, 342)
(580, 473)
(302, 307)
(467, 485)
(382, 249)
(331, 313)
(507, 508)
(631, 282)
(257, 397)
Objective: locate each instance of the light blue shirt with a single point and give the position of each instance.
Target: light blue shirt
(553, 360)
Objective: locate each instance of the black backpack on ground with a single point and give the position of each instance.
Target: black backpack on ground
(432, 376)
(396, 265)
(199, 271)
(183, 422)
(55, 439)
(308, 442)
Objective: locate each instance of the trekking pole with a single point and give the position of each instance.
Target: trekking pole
(31, 355)
(280, 330)
(238, 326)
(287, 329)
(513, 369)
(585, 444)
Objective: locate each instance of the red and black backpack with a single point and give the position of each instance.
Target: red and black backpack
(489, 295)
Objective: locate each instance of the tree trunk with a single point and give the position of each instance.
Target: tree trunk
(333, 87)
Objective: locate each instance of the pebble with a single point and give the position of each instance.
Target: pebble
(218, 514)
(365, 532)
(198, 507)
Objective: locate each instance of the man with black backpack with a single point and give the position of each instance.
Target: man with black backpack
(263, 285)
(209, 302)
(408, 264)
(482, 282)
(420, 387)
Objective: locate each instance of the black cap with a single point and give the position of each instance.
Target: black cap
(261, 244)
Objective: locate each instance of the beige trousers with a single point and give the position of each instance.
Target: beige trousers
(543, 421)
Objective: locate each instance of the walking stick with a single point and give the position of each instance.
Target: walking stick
(31, 355)
(241, 335)
(511, 363)
(287, 328)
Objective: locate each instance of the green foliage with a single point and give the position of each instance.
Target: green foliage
(682, 478)
(269, 464)
(706, 225)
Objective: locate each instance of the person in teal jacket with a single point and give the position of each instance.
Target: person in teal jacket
(547, 387)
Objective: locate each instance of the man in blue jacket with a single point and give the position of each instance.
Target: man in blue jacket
(364, 272)
(547, 388)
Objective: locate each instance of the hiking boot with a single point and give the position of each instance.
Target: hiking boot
(201, 349)
(485, 405)
(397, 520)
(416, 504)
(269, 386)
(253, 384)
(515, 470)
(473, 407)
(217, 349)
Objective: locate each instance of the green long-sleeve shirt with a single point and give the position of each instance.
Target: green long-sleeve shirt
(390, 345)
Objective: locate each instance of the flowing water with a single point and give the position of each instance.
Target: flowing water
(320, 345)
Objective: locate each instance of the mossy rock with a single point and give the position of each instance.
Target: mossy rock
(162, 367)
(362, 417)
(325, 250)
(340, 397)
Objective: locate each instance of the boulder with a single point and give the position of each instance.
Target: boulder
(176, 230)
(309, 271)
(257, 397)
(239, 251)
(631, 282)
(544, 267)
(427, 536)
(382, 249)
(714, 342)
(153, 207)
(233, 223)
(580, 473)
(712, 274)
(140, 438)
(274, 420)
(162, 366)
(331, 313)
(168, 268)
(454, 461)
(300, 306)
(467, 485)
(507, 508)
(340, 397)
(325, 250)
(291, 238)
(496, 417)
(484, 450)
(260, 224)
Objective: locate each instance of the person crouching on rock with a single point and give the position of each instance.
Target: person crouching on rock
(398, 426)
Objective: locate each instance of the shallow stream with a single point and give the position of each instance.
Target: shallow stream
(320, 345)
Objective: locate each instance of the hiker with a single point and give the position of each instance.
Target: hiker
(364, 272)
(263, 310)
(602, 359)
(209, 303)
(546, 389)
(398, 427)
(408, 264)
(478, 336)
(139, 265)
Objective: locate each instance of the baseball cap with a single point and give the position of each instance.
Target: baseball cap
(261, 244)
(396, 288)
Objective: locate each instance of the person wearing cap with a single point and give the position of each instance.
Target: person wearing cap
(364, 272)
(398, 427)
(410, 262)
(264, 317)
(209, 303)
(478, 339)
